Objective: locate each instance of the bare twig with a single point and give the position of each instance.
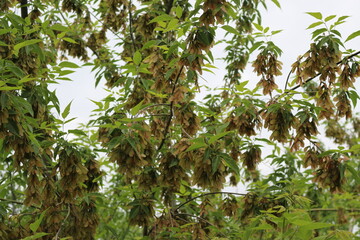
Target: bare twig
(206, 194)
(56, 237)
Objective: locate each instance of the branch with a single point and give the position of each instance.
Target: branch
(333, 209)
(206, 194)
(130, 27)
(11, 201)
(312, 78)
(169, 5)
(171, 111)
(56, 237)
(24, 8)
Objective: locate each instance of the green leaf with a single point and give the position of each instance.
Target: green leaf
(3, 44)
(241, 87)
(197, 143)
(77, 132)
(9, 88)
(316, 225)
(230, 29)
(35, 225)
(354, 173)
(178, 11)
(315, 24)
(330, 18)
(24, 44)
(276, 2)
(66, 111)
(69, 64)
(217, 136)
(230, 162)
(136, 109)
(137, 58)
(353, 35)
(36, 236)
(162, 18)
(258, 27)
(70, 40)
(316, 15)
(59, 27)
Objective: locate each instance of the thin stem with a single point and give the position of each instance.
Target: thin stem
(56, 237)
(206, 194)
(312, 78)
(171, 111)
(11, 201)
(130, 27)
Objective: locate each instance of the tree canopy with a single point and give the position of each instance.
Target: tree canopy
(158, 156)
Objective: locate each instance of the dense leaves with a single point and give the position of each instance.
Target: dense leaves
(156, 158)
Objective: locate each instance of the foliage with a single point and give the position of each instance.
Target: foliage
(154, 161)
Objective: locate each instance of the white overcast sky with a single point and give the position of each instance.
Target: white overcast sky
(293, 40)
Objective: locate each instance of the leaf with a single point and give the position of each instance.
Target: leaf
(353, 35)
(230, 29)
(36, 236)
(230, 162)
(354, 173)
(24, 44)
(70, 40)
(137, 58)
(9, 88)
(77, 132)
(69, 64)
(241, 87)
(329, 18)
(316, 225)
(197, 143)
(316, 15)
(258, 27)
(315, 24)
(217, 136)
(162, 18)
(59, 27)
(136, 109)
(178, 11)
(66, 111)
(35, 225)
(276, 2)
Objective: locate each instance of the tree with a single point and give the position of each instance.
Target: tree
(169, 155)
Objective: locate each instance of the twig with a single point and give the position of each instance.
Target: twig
(11, 201)
(333, 209)
(169, 5)
(56, 237)
(24, 8)
(201, 219)
(206, 194)
(312, 78)
(171, 111)
(130, 27)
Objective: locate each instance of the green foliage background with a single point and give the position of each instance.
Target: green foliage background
(154, 161)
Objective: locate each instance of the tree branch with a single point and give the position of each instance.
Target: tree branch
(171, 111)
(24, 8)
(11, 201)
(206, 194)
(56, 237)
(130, 27)
(312, 78)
